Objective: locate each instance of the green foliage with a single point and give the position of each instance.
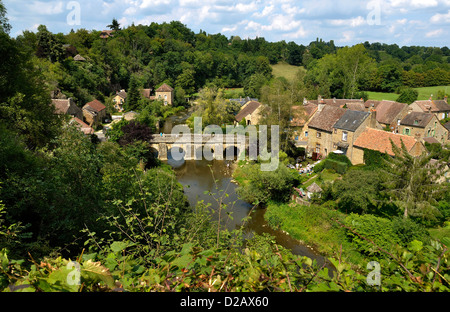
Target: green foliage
(263, 186)
(408, 96)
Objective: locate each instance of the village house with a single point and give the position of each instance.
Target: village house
(242, 100)
(146, 93)
(301, 115)
(438, 107)
(379, 140)
(94, 112)
(119, 100)
(251, 112)
(67, 107)
(165, 93)
(422, 125)
(390, 113)
(82, 126)
(320, 130)
(104, 34)
(349, 127)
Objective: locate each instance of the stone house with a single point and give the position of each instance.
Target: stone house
(349, 127)
(379, 140)
(320, 130)
(301, 116)
(67, 107)
(165, 93)
(390, 113)
(94, 112)
(422, 125)
(251, 112)
(438, 107)
(82, 126)
(119, 100)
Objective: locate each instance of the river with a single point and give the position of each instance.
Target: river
(200, 176)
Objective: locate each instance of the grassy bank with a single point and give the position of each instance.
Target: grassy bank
(315, 226)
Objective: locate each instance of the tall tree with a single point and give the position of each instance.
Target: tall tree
(412, 183)
(5, 27)
(114, 25)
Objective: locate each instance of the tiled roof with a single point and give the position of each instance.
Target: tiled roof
(301, 113)
(351, 120)
(417, 119)
(96, 105)
(433, 105)
(388, 110)
(379, 140)
(122, 94)
(249, 108)
(85, 128)
(431, 140)
(164, 88)
(326, 118)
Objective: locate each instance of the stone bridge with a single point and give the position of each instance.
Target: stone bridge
(199, 146)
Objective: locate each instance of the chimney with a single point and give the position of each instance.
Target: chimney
(445, 99)
(320, 107)
(373, 119)
(305, 101)
(320, 99)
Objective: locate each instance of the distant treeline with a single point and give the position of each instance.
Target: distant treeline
(172, 53)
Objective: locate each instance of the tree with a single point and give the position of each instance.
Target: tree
(408, 96)
(133, 94)
(412, 184)
(114, 25)
(5, 27)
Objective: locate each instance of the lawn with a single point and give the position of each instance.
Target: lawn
(283, 69)
(424, 93)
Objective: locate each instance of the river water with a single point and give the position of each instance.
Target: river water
(215, 177)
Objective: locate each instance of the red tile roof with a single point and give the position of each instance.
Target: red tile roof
(96, 105)
(85, 128)
(379, 140)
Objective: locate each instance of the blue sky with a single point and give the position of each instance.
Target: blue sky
(405, 22)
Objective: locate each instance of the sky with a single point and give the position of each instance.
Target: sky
(404, 22)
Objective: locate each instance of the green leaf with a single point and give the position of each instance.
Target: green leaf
(415, 245)
(118, 246)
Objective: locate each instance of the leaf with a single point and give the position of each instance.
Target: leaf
(118, 246)
(415, 245)
(96, 271)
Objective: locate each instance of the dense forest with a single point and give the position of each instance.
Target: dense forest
(121, 215)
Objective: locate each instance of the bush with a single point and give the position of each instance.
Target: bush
(371, 228)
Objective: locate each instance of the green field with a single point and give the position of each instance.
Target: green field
(285, 70)
(424, 93)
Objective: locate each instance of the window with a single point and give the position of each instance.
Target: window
(406, 131)
(319, 134)
(317, 148)
(344, 136)
(306, 134)
(335, 130)
(296, 138)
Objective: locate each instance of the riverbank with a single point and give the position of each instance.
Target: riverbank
(314, 226)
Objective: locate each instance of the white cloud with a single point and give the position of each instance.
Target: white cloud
(434, 33)
(353, 22)
(440, 18)
(414, 3)
(46, 8)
